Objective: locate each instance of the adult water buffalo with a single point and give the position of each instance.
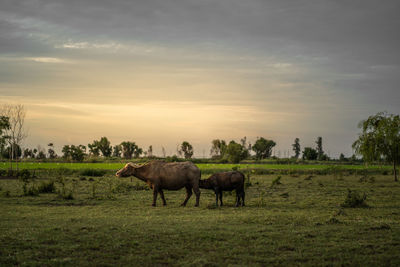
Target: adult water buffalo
(160, 175)
(225, 181)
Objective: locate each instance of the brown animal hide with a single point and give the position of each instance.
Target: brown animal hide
(170, 176)
(225, 181)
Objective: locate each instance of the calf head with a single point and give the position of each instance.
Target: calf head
(127, 170)
(205, 184)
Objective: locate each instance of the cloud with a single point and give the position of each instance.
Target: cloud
(316, 66)
(46, 59)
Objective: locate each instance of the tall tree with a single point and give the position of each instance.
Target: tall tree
(187, 149)
(94, 149)
(380, 139)
(296, 148)
(4, 126)
(235, 152)
(102, 145)
(218, 148)
(117, 151)
(16, 131)
(150, 151)
(105, 147)
(319, 149)
(51, 151)
(310, 153)
(263, 148)
(129, 149)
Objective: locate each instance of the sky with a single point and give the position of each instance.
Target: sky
(159, 72)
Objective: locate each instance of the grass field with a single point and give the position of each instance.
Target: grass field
(110, 221)
(202, 166)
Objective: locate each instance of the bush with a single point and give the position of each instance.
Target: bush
(30, 190)
(354, 200)
(47, 187)
(25, 175)
(93, 172)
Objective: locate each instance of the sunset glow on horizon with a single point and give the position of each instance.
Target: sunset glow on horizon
(159, 73)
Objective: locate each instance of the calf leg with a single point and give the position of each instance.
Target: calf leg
(162, 197)
(188, 195)
(216, 197)
(237, 198)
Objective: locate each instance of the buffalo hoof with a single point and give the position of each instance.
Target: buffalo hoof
(153, 205)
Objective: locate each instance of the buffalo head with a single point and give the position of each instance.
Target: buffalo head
(127, 170)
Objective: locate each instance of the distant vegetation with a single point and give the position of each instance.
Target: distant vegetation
(378, 143)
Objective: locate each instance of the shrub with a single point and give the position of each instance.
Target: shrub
(25, 175)
(47, 187)
(29, 190)
(354, 200)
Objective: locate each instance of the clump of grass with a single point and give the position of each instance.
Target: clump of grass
(29, 190)
(309, 177)
(340, 212)
(333, 220)
(366, 178)
(93, 172)
(64, 193)
(354, 200)
(6, 193)
(47, 187)
(285, 195)
(276, 181)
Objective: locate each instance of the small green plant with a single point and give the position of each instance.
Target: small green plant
(354, 200)
(261, 200)
(276, 181)
(94, 190)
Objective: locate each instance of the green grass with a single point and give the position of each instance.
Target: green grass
(110, 221)
(202, 166)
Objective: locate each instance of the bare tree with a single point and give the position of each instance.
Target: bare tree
(16, 132)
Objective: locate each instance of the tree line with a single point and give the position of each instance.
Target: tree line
(221, 150)
(379, 141)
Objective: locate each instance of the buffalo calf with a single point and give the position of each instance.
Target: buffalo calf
(225, 181)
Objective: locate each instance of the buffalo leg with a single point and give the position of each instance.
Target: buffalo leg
(242, 198)
(188, 195)
(197, 193)
(162, 197)
(237, 198)
(155, 192)
(220, 198)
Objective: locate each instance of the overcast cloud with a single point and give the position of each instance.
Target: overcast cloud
(282, 69)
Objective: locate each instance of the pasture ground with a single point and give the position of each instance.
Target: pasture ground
(110, 221)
